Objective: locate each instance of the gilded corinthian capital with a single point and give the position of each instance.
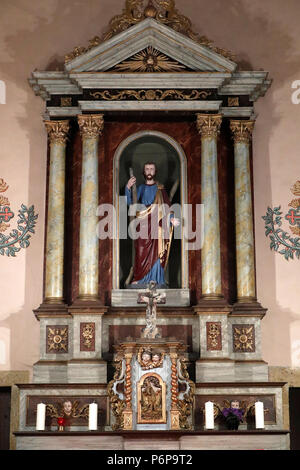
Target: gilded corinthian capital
(90, 125)
(57, 131)
(242, 131)
(209, 124)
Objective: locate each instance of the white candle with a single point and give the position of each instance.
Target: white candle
(40, 417)
(259, 415)
(209, 415)
(93, 416)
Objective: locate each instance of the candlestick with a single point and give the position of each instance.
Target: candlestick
(41, 417)
(209, 415)
(93, 416)
(259, 415)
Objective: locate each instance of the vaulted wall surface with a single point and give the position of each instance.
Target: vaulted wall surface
(38, 35)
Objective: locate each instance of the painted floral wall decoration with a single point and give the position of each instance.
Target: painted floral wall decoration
(281, 241)
(18, 238)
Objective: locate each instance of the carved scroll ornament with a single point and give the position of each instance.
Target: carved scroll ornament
(163, 11)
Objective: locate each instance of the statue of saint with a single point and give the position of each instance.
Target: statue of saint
(152, 247)
(151, 399)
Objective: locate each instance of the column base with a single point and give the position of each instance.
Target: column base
(54, 300)
(83, 307)
(87, 298)
(247, 307)
(212, 304)
(51, 309)
(87, 304)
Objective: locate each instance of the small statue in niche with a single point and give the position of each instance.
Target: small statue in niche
(151, 399)
(151, 251)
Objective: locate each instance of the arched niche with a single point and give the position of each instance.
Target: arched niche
(170, 158)
(151, 399)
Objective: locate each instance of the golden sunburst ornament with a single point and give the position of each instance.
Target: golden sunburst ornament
(149, 60)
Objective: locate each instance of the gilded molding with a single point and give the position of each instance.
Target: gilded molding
(150, 95)
(163, 11)
(242, 131)
(209, 125)
(91, 125)
(57, 131)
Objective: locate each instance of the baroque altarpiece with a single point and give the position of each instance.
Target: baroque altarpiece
(149, 90)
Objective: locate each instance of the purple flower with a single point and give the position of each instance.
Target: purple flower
(233, 411)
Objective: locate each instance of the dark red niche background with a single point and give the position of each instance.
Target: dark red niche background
(187, 136)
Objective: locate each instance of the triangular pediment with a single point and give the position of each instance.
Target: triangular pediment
(153, 48)
(181, 52)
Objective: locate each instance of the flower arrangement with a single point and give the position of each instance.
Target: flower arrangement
(233, 416)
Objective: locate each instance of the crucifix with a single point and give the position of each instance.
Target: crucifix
(151, 298)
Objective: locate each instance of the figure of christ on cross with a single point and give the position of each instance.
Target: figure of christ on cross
(151, 298)
(151, 251)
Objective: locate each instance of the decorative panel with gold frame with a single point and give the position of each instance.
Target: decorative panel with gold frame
(151, 393)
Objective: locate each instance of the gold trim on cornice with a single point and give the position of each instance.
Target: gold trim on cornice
(150, 94)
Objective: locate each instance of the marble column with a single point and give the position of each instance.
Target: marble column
(209, 128)
(242, 133)
(57, 134)
(91, 126)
